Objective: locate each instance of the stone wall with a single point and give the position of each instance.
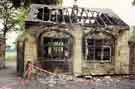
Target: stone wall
(120, 61)
(119, 65)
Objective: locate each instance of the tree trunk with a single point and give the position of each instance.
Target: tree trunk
(4, 51)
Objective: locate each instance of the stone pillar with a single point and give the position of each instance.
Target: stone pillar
(30, 50)
(122, 54)
(77, 59)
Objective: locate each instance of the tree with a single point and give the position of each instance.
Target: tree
(11, 19)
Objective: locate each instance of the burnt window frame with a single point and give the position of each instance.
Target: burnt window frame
(59, 35)
(104, 45)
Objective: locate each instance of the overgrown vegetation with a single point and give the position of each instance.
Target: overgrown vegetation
(26, 3)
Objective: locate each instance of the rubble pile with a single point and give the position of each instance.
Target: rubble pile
(71, 82)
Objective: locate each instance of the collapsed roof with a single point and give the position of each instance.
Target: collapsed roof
(73, 15)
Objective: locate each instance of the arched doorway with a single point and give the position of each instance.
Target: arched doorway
(55, 50)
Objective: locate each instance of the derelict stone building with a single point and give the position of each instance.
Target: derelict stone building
(75, 40)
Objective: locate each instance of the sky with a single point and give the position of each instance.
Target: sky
(123, 8)
(11, 38)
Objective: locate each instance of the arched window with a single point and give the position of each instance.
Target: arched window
(99, 47)
(56, 50)
(56, 45)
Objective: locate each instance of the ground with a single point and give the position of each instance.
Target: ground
(8, 74)
(9, 80)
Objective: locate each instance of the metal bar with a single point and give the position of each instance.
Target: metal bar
(102, 20)
(107, 19)
(102, 51)
(110, 54)
(96, 19)
(76, 17)
(85, 17)
(94, 50)
(55, 60)
(50, 15)
(69, 17)
(56, 14)
(67, 14)
(63, 19)
(43, 15)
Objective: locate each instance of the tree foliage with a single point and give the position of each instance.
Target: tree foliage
(133, 2)
(26, 3)
(10, 17)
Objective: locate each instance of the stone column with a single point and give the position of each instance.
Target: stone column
(122, 54)
(77, 58)
(30, 50)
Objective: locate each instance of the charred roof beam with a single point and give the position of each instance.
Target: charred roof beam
(72, 15)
